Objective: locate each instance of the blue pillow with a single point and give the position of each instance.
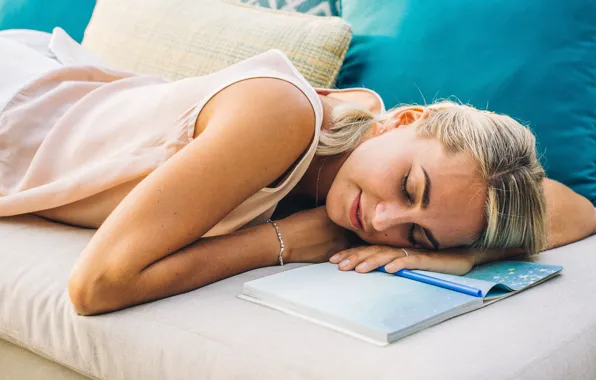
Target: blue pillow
(534, 60)
(44, 15)
(315, 7)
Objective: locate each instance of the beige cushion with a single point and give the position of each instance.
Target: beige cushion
(183, 38)
(19, 363)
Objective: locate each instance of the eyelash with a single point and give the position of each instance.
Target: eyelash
(411, 235)
(404, 182)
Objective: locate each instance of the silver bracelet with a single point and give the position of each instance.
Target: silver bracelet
(281, 242)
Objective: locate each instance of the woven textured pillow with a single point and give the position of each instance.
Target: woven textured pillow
(185, 38)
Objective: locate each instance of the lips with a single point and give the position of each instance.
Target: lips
(356, 213)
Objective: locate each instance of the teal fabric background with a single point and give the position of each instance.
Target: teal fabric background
(71, 15)
(534, 60)
(315, 7)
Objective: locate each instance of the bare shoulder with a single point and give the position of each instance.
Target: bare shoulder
(268, 104)
(261, 117)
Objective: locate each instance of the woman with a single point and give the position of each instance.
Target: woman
(181, 177)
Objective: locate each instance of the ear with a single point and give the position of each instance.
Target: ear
(402, 117)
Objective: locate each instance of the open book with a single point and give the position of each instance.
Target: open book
(382, 308)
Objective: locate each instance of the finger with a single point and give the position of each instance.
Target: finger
(370, 259)
(408, 262)
(365, 259)
(435, 262)
(342, 255)
(338, 257)
(356, 256)
(381, 258)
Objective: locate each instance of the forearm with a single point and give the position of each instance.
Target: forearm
(570, 217)
(308, 236)
(199, 264)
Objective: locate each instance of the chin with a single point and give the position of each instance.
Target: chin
(335, 218)
(338, 210)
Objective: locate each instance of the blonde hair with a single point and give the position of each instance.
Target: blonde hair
(504, 150)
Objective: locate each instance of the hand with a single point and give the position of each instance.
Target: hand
(310, 236)
(369, 258)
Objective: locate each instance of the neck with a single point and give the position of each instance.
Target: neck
(330, 164)
(328, 171)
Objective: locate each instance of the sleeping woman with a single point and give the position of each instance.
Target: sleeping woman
(181, 179)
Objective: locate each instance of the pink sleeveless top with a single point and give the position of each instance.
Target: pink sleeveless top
(81, 129)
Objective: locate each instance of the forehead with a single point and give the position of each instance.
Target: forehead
(458, 193)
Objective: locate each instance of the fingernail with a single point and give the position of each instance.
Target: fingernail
(334, 258)
(389, 266)
(344, 263)
(362, 266)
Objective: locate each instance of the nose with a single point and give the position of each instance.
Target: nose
(390, 214)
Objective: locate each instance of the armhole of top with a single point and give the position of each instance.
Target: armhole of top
(264, 73)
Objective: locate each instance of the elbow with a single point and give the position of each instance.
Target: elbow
(93, 295)
(78, 292)
(594, 223)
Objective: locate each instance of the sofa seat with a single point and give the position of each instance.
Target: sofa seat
(547, 332)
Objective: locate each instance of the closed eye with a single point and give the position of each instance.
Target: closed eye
(404, 190)
(404, 186)
(411, 239)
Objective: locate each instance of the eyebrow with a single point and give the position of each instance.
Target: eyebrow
(426, 192)
(425, 202)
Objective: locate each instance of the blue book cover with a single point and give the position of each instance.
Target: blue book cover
(382, 308)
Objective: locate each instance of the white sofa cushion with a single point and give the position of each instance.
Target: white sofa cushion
(547, 332)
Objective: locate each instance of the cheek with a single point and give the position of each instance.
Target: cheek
(344, 184)
(397, 237)
(375, 158)
(335, 201)
(379, 179)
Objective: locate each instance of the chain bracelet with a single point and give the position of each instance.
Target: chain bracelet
(281, 242)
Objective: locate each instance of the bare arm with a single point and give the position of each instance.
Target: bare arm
(264, 125)
(310, 237)
(571, 217)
